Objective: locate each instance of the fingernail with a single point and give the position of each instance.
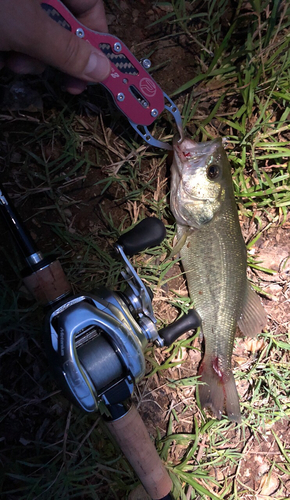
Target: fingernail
(98, 67)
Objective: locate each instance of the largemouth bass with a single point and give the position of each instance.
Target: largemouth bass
(214, 258)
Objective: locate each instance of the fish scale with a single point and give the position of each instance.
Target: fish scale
(216, 254)
(214, 259)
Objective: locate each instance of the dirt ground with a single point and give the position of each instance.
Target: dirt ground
(154, 397)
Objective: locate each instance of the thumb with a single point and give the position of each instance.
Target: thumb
(58, 47)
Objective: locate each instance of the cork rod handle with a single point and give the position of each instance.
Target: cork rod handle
(133, 438)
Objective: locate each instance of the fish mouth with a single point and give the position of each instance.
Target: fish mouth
(190, 158)
(195, 152)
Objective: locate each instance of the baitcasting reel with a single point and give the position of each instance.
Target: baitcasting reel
(95, 342)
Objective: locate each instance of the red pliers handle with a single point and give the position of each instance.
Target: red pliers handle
(133, 89)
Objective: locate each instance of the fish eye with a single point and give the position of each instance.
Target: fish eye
(213, 171)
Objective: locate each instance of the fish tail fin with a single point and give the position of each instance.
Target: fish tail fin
(232, 399)
(218, 389)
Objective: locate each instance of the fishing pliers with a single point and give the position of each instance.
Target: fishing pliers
(133, 89)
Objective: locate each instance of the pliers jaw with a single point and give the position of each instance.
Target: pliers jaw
(148, 137)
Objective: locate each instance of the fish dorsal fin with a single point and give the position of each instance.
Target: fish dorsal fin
(253, 318)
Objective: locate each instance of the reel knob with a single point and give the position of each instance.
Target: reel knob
(148, 233)
(171, 333)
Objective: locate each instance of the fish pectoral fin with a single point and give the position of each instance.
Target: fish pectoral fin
(253, 318)
(180, 244)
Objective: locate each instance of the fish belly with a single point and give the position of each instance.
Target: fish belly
(214, 261)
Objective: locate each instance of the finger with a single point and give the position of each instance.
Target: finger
(73, 85)
(45, 40)
(23, 64)
(62, 49)
(91, 13)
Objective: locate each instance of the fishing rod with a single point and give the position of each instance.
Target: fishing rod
(95, 342)
(43, 276)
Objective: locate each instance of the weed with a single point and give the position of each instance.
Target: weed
(79, 181)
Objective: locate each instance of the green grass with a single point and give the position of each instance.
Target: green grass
(79, 182)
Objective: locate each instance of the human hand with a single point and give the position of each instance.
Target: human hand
(30, 40)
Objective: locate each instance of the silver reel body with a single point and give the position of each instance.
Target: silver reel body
(95, 342)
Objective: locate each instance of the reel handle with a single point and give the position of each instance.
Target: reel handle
(148, 233)
(172, 332)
